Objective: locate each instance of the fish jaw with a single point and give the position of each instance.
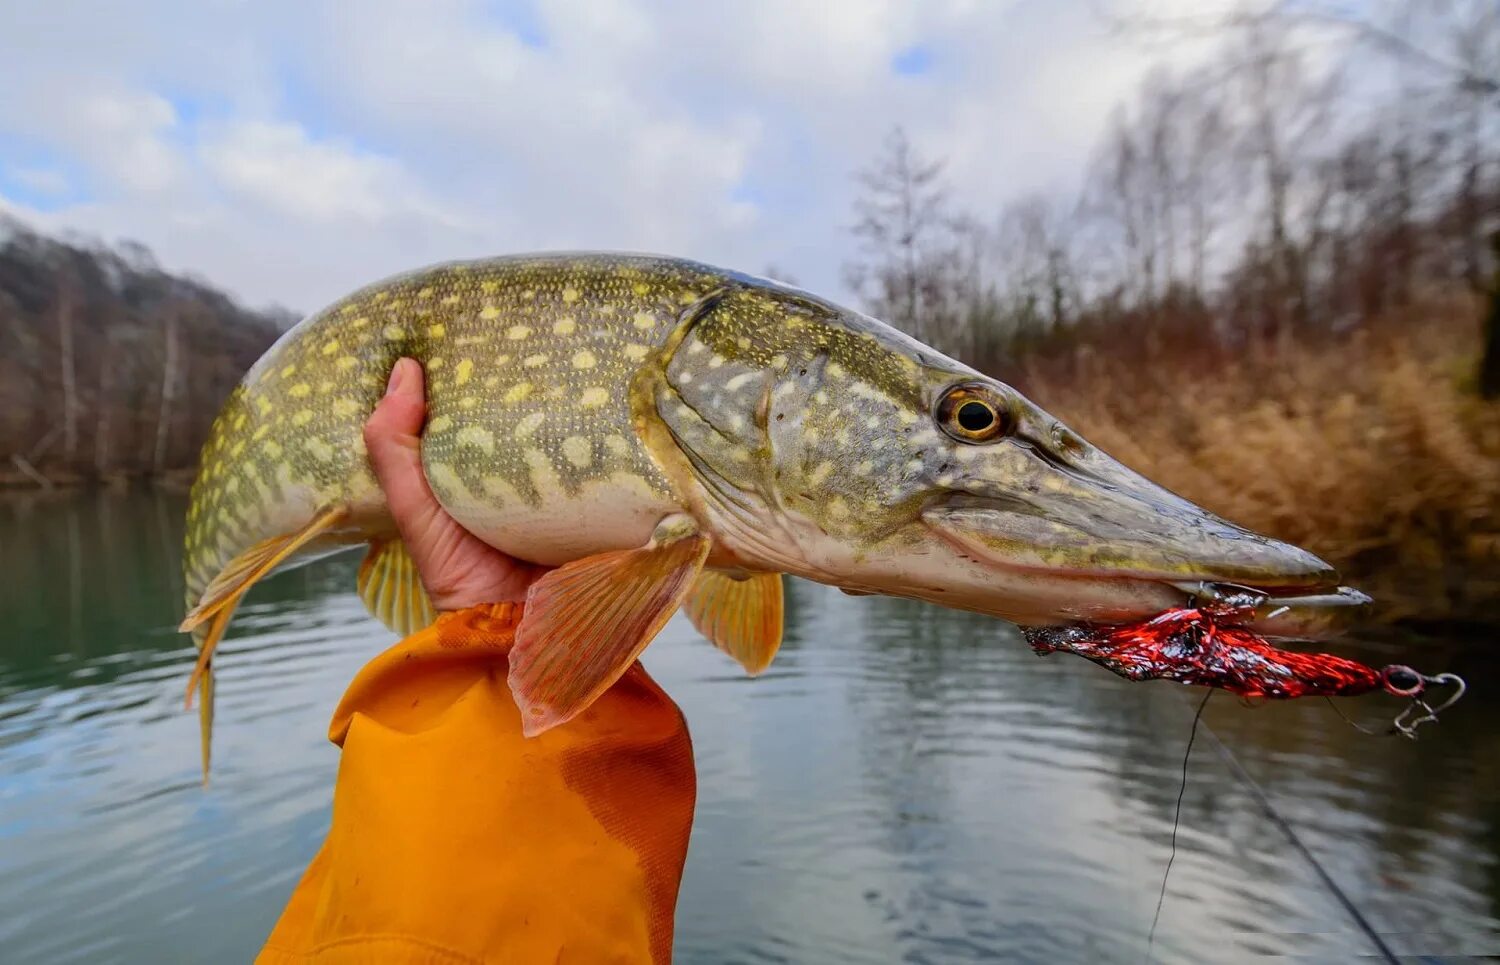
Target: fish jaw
(812, 440)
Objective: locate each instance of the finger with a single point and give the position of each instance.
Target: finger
(395, 450)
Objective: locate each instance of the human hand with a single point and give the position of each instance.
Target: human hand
(458, 569)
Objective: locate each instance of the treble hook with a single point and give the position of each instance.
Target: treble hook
(1406, 682)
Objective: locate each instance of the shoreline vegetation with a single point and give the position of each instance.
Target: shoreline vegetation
(1275, 292)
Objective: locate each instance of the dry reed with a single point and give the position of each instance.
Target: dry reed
(1369, 448)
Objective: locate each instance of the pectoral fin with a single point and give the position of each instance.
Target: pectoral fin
(392, 590)
(586, 622)
(743, 617)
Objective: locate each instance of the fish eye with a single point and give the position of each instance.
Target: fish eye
(974, 413)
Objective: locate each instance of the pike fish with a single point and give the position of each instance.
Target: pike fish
(672, 435)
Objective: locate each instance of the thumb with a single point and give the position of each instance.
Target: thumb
(395, 450)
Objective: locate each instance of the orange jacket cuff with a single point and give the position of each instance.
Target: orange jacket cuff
(455, 839)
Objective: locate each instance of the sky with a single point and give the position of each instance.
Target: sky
(292, 150)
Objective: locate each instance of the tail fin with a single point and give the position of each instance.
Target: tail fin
(209, 618)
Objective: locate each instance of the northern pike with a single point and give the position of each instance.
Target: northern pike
(669, 434)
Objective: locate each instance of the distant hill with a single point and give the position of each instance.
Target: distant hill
(110, 366)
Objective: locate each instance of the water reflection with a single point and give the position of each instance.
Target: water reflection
(906, 783)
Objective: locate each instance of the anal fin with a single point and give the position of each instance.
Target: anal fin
(392, 589)
(239, 574)
(242, 572)
(742, 617)
(587, 621)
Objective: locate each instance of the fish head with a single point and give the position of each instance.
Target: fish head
(829, 445)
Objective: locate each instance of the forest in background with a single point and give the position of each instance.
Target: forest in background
(110, 367)
(1276, 291)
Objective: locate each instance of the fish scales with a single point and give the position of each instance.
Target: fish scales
(528, 363)
(676, 435)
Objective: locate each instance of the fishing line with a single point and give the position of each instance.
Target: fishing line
(1176, 822)
(1274, 814)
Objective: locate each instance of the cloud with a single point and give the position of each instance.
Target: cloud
(292, 151)
(279, 166)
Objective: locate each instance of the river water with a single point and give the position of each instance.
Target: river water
(905, 784)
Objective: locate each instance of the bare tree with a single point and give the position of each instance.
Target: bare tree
(169, 379)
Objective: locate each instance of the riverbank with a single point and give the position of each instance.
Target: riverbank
(1370, 447)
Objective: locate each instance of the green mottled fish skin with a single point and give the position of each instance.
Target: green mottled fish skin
(575, 401)
(528, 364)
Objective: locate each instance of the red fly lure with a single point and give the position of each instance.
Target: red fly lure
(1203, 646)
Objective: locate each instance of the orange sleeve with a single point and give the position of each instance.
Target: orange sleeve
(455, 839)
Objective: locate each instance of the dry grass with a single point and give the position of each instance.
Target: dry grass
(1370, 449)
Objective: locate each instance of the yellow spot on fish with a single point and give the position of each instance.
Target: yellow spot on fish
(835, 371)
(821, 472)
(532, 361)
(569, 295)
(326, 386)
(330, 346)
(345, 363)
(319, 449)
(302, 418)
(643, 321)
(688, 297)
(300, 391)
(437, 331)
(261, 430)
(778, 361)
(489, 312)
(616, 444)
(464, 371)
(263, 404)
(359, 322)
(584, 360)
(271, 448)
(640, 288)
(467, 402)
(635, 352)
(529, 425)
(564, 326)
(716, 361)
(593, 396)
(518, 392)
(477, 437)
(578, 451)
(441, 424)
(490, 381)
(543, 473)
(425, 292)
(394, 333)
(517, 332)
(345, 407)
(837, 508)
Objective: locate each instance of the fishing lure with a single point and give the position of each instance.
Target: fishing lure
(1203, 645)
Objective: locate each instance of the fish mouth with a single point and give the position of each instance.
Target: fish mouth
(1124, 560)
